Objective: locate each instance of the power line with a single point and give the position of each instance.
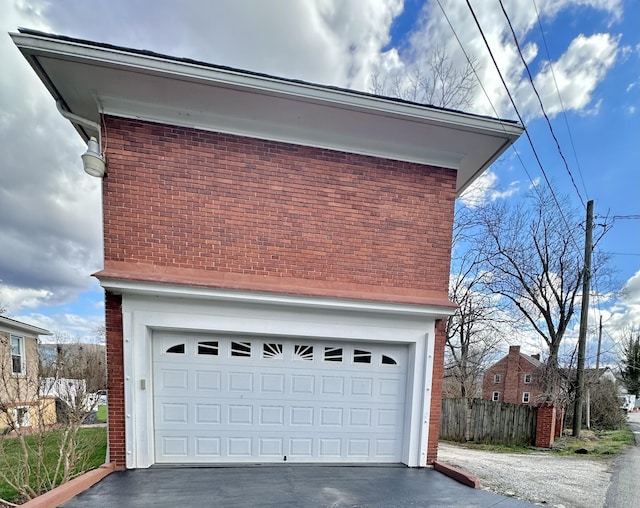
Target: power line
(526, 131)
(544, 113)
(484, 90)
(564, 113)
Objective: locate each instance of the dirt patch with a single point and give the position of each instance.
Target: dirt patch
(539, 477)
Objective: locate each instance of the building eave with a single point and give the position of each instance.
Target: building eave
(93, 79)
(20, 327)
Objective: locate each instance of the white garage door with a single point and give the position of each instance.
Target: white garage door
(253, 400)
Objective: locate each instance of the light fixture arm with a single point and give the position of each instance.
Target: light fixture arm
(93, 160)
(80, 120)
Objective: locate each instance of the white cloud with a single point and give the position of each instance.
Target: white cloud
(15, 299)
(577, 73)
(64, 326)
(485, 189)
(579, 70)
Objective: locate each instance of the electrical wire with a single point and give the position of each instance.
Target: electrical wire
(526, 131)
(486, 94)
(544, 113)
(563, 109)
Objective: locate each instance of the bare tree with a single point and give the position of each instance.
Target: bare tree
(535, 267)
(437, 80)
(40, 450)
(476, 329)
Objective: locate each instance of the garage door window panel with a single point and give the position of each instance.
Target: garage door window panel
(177, 349)
(272, 351)
(208, 348)
(241, 349)
(387, 360)
(332, 354)
(361, 356)
(303, 352)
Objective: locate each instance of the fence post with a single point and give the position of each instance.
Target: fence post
(545, 425)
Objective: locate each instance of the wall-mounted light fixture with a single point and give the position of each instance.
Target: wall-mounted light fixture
(93, 159)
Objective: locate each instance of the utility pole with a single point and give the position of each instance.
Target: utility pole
(594, 381)
(584, 315)
(599, 344)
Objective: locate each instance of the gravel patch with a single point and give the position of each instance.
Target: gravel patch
(539, 477)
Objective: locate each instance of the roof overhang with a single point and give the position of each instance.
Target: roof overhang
(91, 78)
(17, 326)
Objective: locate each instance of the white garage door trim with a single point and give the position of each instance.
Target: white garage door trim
(253, 400)
(149, 308)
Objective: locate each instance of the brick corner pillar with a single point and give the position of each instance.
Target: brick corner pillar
(436, 391)
(545, 425)
(115, 381)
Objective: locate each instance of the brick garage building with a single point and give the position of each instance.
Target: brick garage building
(516, 379)
(276, 257)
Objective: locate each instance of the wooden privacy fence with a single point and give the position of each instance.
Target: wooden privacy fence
(487, 422)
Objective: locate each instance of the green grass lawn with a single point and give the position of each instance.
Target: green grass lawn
(596, 443)
(101, 415)
(92, 442)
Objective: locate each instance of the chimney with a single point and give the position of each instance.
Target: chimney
(536, 356)
(514, 350)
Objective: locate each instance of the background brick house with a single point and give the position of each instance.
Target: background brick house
(276, 257)
(516, 379)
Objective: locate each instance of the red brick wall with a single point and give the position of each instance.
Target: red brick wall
(436, 391)
(184, 198)
(115, 379)
(187, 198)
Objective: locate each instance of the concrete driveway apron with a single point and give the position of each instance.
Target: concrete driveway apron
(282, 486)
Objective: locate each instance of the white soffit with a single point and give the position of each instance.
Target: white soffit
(92, 78)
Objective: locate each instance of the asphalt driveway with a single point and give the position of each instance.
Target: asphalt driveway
(305, 486)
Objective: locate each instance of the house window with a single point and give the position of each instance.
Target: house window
(387, 360)
(527, 379)
(496, 379)
(17, 355)
(496, 397)
(21, 416)
(526, 397)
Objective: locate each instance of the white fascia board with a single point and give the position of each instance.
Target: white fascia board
(280, 299)
(38, 45)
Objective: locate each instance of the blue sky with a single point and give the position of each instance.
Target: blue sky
(50, 224)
